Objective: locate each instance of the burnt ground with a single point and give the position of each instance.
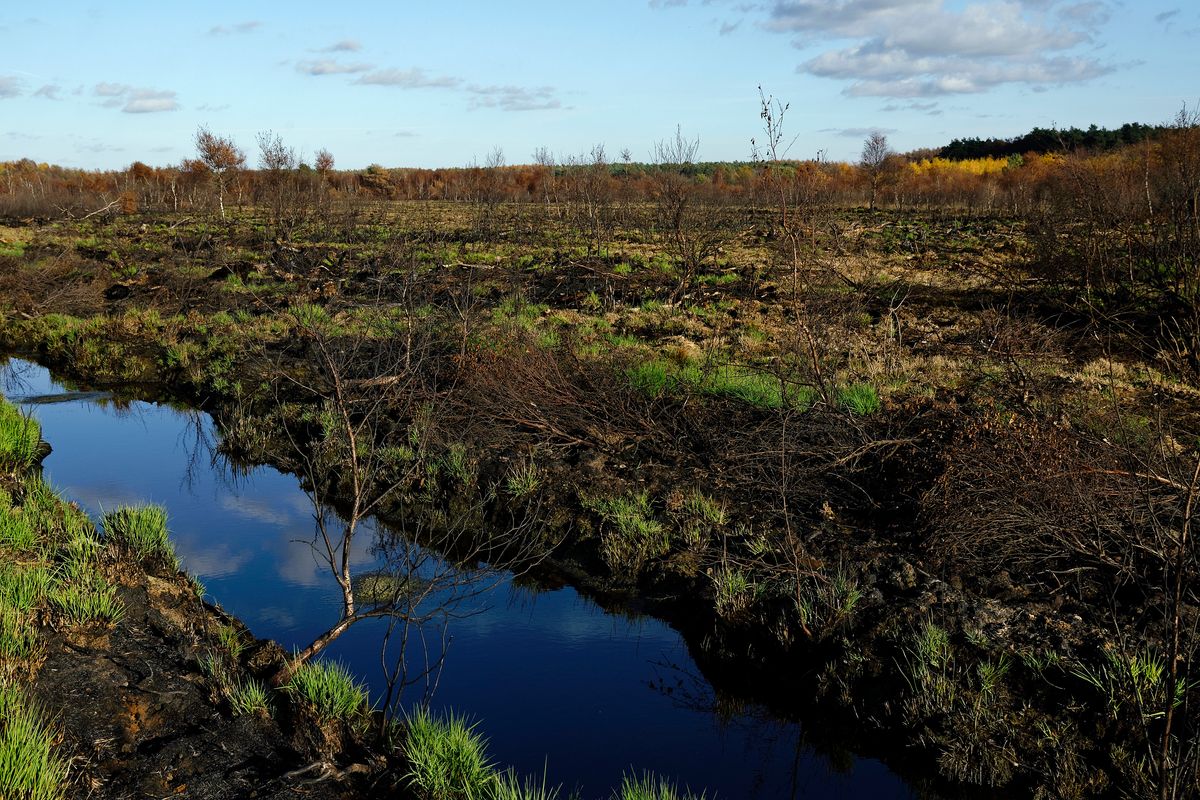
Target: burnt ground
(141, 722)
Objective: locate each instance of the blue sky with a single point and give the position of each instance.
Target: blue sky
(444, 84)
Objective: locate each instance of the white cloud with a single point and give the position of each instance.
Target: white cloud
(415, 78)
(514, 98)
(241, 27)
(857, 133)
(925, 48)
(149, 101)
(343, 46)
(10, 86)
(327, 66)
(135, 100)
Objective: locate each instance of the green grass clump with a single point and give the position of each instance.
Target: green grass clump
(231, 640)
(20, 438)
(509, 786)
(649, 786)
(631, 535)
(523, 480)
(446, 758)
(29, 767)
(142, 531)
(18, 639)
(87, 600)
(755, 388)
(659, 377)
(16, 533)
(652, 378)
(250, 697)
(78, 554)
(630, 515)
(330, 689)
(859, 398)
(308, 316)
(734, 591)
(704, 508)
(23, 589)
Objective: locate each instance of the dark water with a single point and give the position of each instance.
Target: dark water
(556, 683)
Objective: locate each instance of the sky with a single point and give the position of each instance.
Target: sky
(406, 83)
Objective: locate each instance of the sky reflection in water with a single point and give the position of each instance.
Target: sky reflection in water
(556, 683)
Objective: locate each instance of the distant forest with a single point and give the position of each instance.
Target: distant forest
(1052, 140)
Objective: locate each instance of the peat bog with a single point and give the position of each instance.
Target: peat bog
(906, 451)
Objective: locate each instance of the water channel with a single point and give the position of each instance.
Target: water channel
(557, 684)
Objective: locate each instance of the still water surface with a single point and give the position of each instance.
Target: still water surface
(556, 683)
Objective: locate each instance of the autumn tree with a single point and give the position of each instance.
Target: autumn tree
(222, 157)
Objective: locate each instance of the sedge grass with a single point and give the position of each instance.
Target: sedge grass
(18, 639)
(331, 691)
(23, 589)
(142, 532)
(16, 532)
(20, 437)
(510, 786)
(250, 697)
(29, 767)
(88, 600)
(447, 758)
(649, 786)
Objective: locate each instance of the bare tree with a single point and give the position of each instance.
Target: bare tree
(873, 161)
(222, 157)
(688, 221)
(368, 439)
(278, 164)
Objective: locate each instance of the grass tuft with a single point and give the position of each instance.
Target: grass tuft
(142, 532)
(87, 600)
(16, 532)
(20, 438)
(29, 767)
(523, 480)
(330, 689)
(446, 758)
(631, 534)
(649, 786)
(249, 698)
(18, 639)
(23, 589)
(859, 398)
(509, 786)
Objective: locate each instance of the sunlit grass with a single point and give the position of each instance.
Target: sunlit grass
(20, 436)
(649, 786)
(330, 689)
(18, 638)
(250, 697)
(16, 532)
(87, 600)
(447, 758)
(142, 532)
(29, 767)
(23, 589)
